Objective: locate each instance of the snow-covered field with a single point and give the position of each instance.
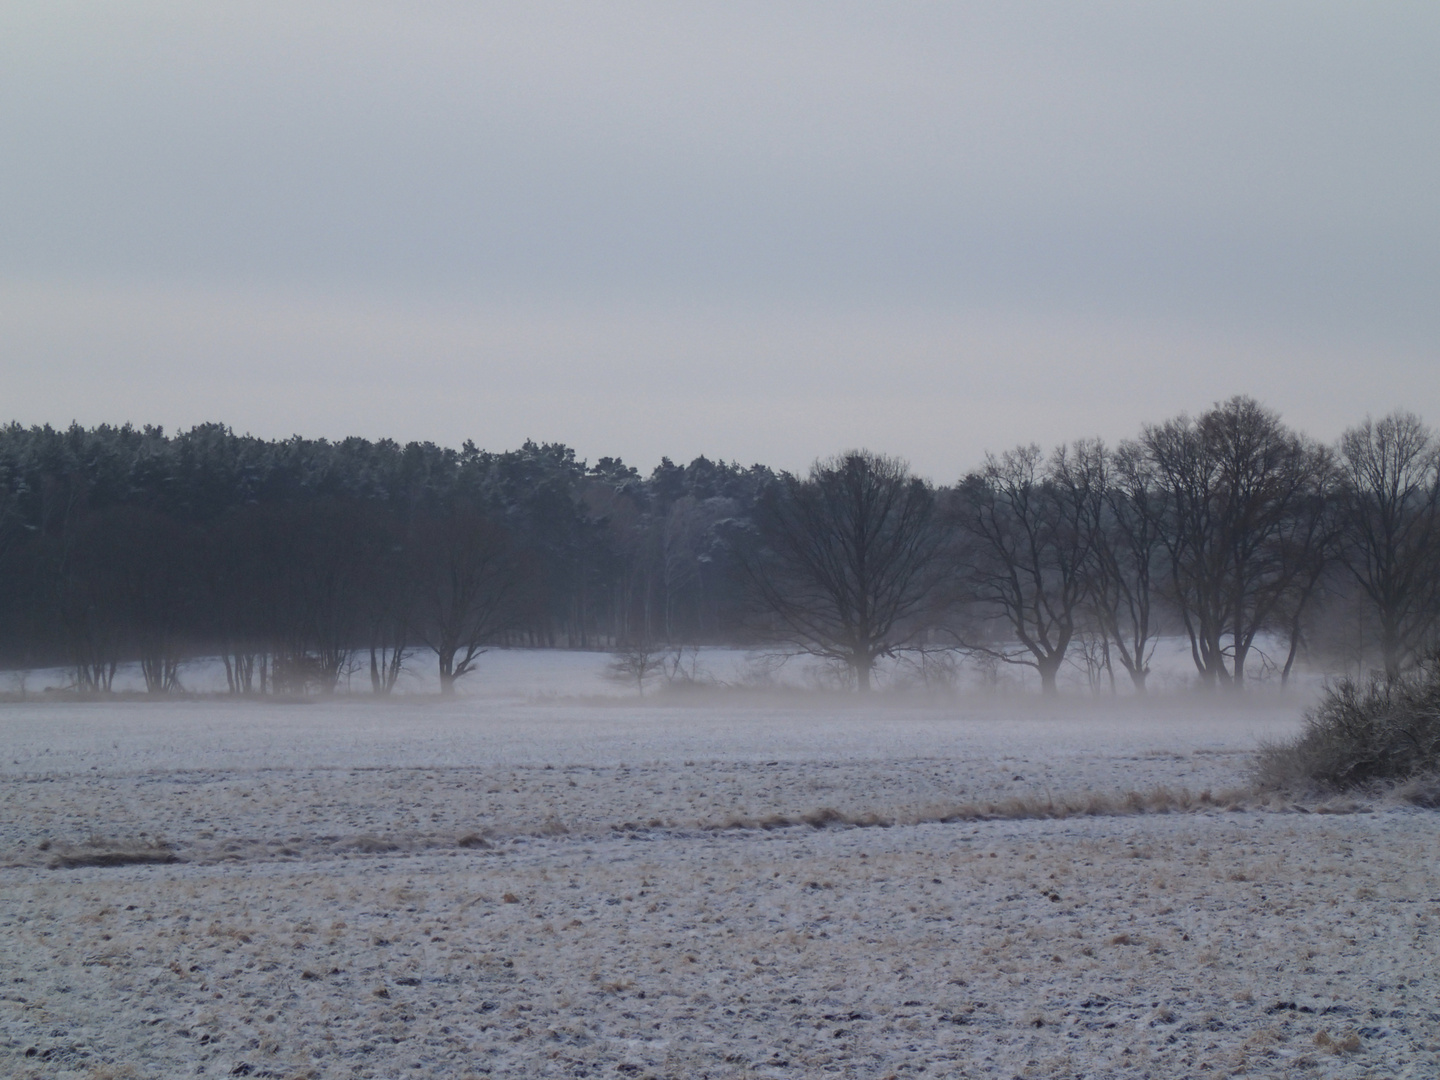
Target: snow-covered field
(540, 882)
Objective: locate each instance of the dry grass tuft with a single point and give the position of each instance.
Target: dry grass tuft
(1423, 790)
(1346, 1044)
(99, 852)
(1160, 800)
(824, 817)
(369, 845)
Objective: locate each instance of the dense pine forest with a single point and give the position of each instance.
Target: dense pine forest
(296, 560)
(286, 557)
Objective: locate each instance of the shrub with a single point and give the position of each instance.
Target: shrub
(634, 664)
(1378, 731)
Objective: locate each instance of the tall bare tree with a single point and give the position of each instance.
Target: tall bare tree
(1310, 547)
(1027, 543)
(845, 562)
(1237, 485)
(1125, 556)
(1391, 499)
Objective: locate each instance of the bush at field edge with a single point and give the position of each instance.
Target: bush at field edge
(1364, 733)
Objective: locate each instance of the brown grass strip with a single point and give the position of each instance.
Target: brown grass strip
(113, 853)
(1159, 800)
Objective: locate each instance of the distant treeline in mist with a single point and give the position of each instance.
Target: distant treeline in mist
(300, 561)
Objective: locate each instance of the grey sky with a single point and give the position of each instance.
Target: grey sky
(758, 231)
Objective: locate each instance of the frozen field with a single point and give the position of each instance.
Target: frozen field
(529, 884)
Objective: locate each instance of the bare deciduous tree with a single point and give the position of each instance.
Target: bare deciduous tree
(1238, 486)
(845, 563)
(1124, 558)
(1310, 547)
(1026, 545)
(1391, 498)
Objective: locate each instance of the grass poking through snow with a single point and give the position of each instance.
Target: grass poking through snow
(1159, 800)
(101, 852)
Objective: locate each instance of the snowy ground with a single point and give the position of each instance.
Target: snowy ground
(540, 885)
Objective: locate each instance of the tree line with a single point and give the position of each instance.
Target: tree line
(1227, 527)
(301, 561)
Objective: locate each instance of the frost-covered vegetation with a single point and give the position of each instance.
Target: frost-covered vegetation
(1376, 732)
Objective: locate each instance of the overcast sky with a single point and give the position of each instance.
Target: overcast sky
(760, 231)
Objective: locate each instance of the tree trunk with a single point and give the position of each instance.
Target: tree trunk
(447, 673)
(1390, 651)
(1294, 649)
(862, 667)
(1048, 669)
(1237, 673)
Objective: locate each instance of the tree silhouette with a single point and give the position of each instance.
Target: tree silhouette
(846, 559)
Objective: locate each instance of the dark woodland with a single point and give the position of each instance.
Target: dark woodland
(304, 561)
